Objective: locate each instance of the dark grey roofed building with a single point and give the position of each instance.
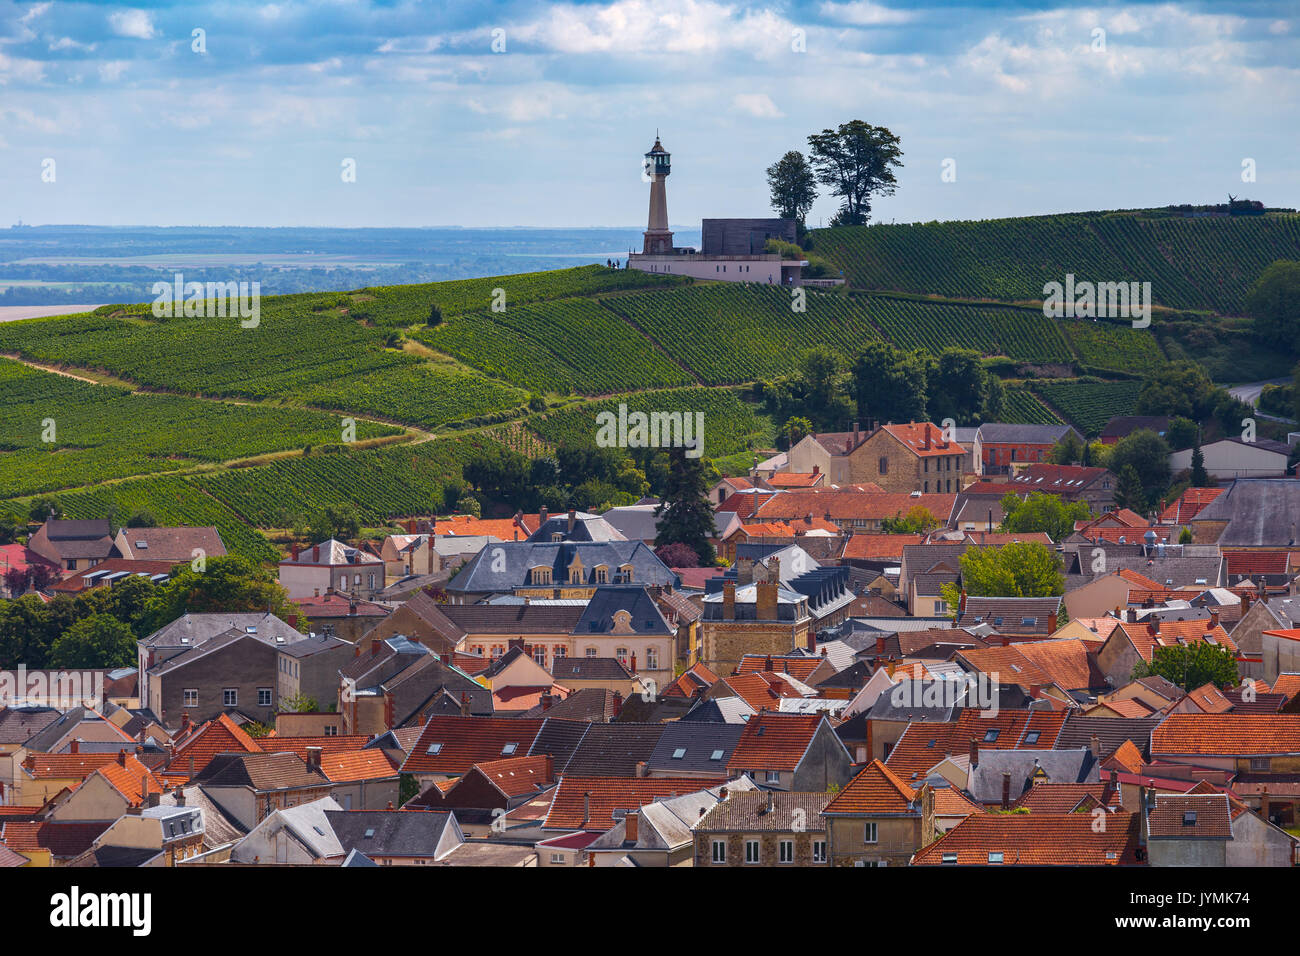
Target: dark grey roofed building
(1122, 426)
(428, 834)
(513, 565)
(589, 668)
(1025, 434)
(623, 610)
(576, 526)
(1111, 732)
(559, 739)
(1253, 513)
(20, 724)
(693, 747)
(984, 782)
(1184, 566)
(614, 750)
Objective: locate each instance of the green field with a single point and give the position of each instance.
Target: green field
(1022, 334)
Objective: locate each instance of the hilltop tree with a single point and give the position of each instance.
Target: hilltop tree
(1177, 388)
(857, 161)
(917, 520)
(685, 515)
(795, 430)
(793, 186)
(1274, 304)
(955, 386)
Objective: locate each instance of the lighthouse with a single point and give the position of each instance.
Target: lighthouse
(658, 239)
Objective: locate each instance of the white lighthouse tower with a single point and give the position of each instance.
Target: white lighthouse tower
(658, 239)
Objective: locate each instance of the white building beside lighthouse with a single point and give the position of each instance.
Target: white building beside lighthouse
(733, 249)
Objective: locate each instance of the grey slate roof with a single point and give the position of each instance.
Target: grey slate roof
(390, 832)
(191, 630)
(1111, 732)
(644, 615)
(589, 668)
(507, 566)
(691, 746)
(20, 724)
(559, 738)
(614, 750)
(984, 781)
(1026, 434)
(1259, 512)
(586, 527)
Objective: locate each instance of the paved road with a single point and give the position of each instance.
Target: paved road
(1250, 392)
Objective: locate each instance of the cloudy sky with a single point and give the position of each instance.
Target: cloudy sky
(1042, 107)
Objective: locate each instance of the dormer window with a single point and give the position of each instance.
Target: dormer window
(625, 572)
(541, 576)
(602, 574)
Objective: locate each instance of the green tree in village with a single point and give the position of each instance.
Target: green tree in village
(99, 640)
(917, 520)
(227, 583)
(795, 430)
(1200, 477)
(956, 387)
(685, 515)
(890, 384)
(1129, 492)
(1148, 455)
(1068, 451)
(1191, 665)
(1019, 569)
(1042, 512)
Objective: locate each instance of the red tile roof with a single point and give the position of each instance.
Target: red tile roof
(1066, 797)
(1227, 735)
(796, 479)
(1188, 505)
(1126, 757)
(62, 840)
(298, 745)
(923, 439)
(65, 766)
(350, 765)
(760, 690)
(1036, 839)
(800, 667)
(877, 790)
(613, 793)
(518, 776)
(853, 505)
(461, 742)
(1171, 634)
(772, 741)
(878, 547)
(1257, 562)
(195, 750)
(132, 779)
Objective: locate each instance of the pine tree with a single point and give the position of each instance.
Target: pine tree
(1129, 492)
(685, 515)
(1200, 477)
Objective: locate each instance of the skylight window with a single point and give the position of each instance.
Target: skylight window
(370, 832)
(995, 857)
(716, 755)
(679, 753)
(990, 736)
(434, 749)
(319, 830)
(1032, 737)
(509, 749)
(1189, 818)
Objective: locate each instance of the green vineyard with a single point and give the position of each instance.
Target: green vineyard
(1021, 334)
(1204, 264)
(1088, 405)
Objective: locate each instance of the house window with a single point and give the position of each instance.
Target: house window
(557, 859)
(772, 776)
(539, 654)
(786, 848)
(575, 575)
(541, 575)
(819, 851)
(592, 652)
(497, 650)
(719, 851)
(621, 654)
(870, 833)
(190, 697)
(1032, 736)
(1261, 764)
(356, 579)
(558, 651)
(652, 658)
(602, 572)
(626, 573)
(884, 465)
(331, 730)
(751, 851)
(264, 697)
(230, 697)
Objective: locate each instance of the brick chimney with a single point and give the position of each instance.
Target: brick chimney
(179, 793)
(313, 757)
(185, 721)
(573, 518)
(630, 828)
(586, 809)
(766, 600)
(464, 704)
(315, 553)
(729, 600)
(1051, 623)
(1214, 619)
(550, 769)
(74, 747)
(974, 753)
(642, 769)
(1006, 791)
(543, 515)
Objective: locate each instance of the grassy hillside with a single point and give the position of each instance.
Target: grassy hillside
(1199, 264)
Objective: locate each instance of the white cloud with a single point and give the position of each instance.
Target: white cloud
(863, 13)
(111, 71)
(759, 105)
(67, 43)
(136, 24)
